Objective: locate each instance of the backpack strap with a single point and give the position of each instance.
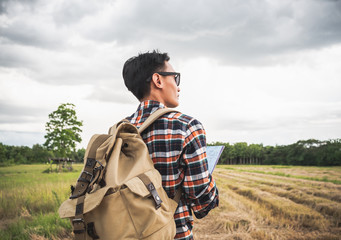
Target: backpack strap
(112, 129)
(151, 188)
(85, 179)
(178, 195)
(91, 168)
(154, 116)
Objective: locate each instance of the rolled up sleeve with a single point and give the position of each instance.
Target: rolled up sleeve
(199, 186)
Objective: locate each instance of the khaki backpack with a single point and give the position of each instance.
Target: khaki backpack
(119, 193)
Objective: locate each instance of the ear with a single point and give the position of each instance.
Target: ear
(157, 81)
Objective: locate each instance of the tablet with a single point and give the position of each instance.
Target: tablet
(213, 155)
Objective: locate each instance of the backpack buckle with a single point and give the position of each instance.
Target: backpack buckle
(88, 174)
(78, 226)
(82, 184)
(155, 195)
(99, 168)
(85, 177)
(97, 176)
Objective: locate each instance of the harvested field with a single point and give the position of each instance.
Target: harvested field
(274, 202)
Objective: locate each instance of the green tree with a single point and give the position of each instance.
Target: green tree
(3, 157)
(229, 153)
(78, 156)
(241, 152)
(63, 130)
(255, 151)
(40, 154)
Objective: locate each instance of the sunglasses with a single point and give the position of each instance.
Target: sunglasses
(175, 74)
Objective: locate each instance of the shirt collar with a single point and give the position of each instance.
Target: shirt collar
(150, 106)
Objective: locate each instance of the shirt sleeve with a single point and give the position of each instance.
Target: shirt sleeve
(199, 186)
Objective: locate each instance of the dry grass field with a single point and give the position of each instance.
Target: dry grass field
(275, 202)
(256, 202)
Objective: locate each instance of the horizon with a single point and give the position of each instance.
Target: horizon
(208, 143)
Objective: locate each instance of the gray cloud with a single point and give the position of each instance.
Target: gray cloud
(5, 4)
(71, 12)
(25, 24)
(113, 91)
(232, 31)
(236, 32)
(62, 67)
(23, 34)
(324, 116)
(9, 58)
(21, 24)
(21, 138)
(242, 124)
(10, 113)
(39, 37)
(107, 95)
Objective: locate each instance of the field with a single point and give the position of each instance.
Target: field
(256, 202)
(275, 202)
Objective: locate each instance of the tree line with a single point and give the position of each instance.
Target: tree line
(309, 152)
(36, 154)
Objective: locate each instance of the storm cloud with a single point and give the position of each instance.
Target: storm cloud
(234, 32)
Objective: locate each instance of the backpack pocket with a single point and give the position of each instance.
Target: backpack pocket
(128, 212)
(146, 218)
(105, 212)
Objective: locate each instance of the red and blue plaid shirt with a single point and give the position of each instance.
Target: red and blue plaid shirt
(177, 146)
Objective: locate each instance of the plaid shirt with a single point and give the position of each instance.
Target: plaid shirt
(177, 146)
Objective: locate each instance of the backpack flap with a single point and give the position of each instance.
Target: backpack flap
(137, 186)
(68, 208)
(92, 200)
(150, 209)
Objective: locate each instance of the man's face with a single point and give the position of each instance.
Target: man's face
(170, 90)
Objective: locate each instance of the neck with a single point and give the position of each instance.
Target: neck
(154, 97)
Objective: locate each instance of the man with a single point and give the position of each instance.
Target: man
(176, 142)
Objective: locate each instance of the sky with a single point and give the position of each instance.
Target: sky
(255, 71)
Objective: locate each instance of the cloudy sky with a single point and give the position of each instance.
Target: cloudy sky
(253, 70)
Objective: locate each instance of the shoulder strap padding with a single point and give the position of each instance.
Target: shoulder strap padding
(113, 128)
(154, 116)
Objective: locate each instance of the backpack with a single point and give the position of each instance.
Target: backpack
(119, 193)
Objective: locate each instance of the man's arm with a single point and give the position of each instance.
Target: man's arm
(199, 186)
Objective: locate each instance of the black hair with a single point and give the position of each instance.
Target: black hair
(139, 69)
